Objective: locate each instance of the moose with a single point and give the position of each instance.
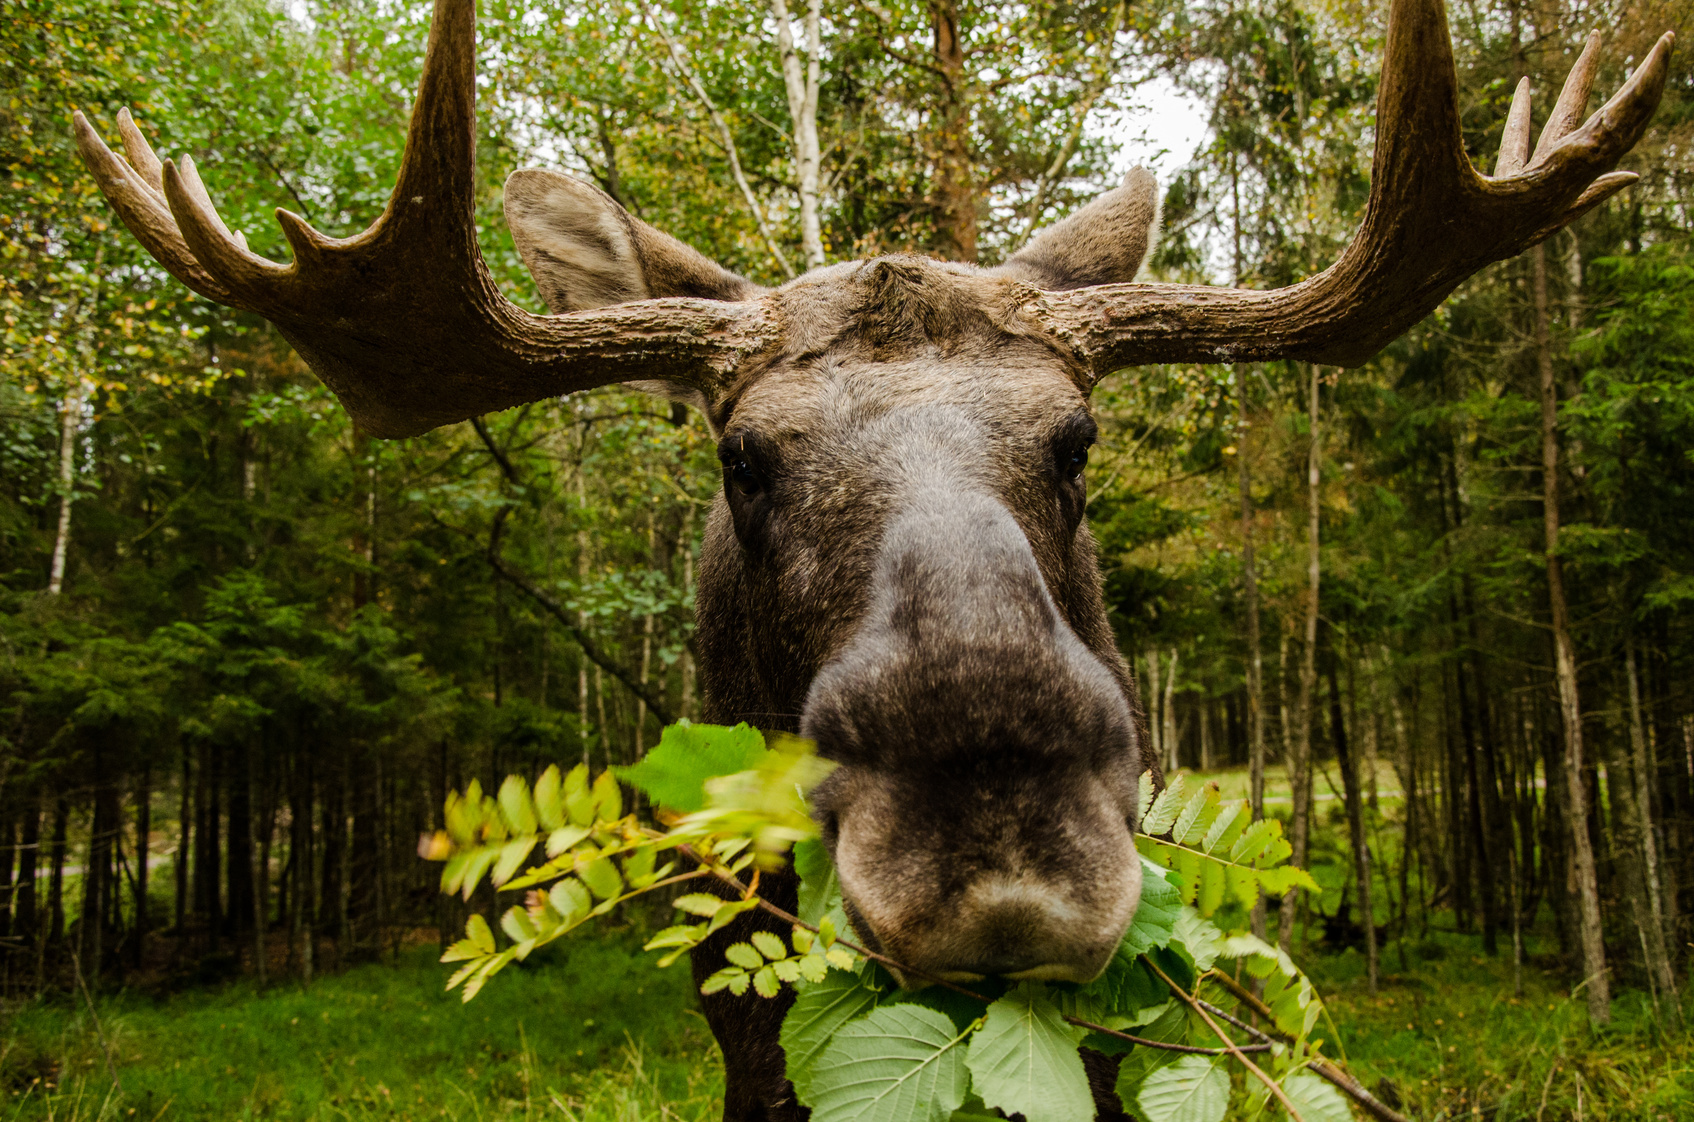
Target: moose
(898, 565)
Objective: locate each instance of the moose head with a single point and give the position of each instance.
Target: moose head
(898, 565)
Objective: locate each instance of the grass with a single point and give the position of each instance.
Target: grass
(593, 1033)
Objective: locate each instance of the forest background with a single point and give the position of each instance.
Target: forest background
(245, 651)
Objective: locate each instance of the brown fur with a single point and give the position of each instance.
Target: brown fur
(899, 568)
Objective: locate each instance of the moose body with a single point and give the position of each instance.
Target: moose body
(898, 566)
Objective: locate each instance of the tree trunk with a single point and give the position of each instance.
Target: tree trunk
(1169, 736)
(1154, 701)
(1354, 796)
(143, 832)
(803, 116)
(56, 882)
(1299, 764)
(1595, 979)
(24, 919)
(1635, 807)
(184, 839)
(954, 195)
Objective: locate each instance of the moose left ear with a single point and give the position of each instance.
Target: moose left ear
(1103, 243)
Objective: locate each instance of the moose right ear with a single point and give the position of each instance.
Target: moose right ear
(1103, 243)
(586, 251)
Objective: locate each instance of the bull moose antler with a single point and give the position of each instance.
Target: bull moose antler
(404, 322)
(406, 326)
(1431, 220)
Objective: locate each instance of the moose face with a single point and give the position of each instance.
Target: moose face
(899, 566)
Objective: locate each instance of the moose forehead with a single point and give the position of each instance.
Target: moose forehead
(865, 340)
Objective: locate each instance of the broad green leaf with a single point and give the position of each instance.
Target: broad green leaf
(1197, 940)
(674, 773)
(1192, 1089)
(1024, 1060)
(822, 1008)
(1155, 915)
(1315, 1098)
(900, 1063)
(1140, 1061)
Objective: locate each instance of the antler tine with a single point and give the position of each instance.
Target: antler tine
(140, 153)
(144, 211)
(1514, 140)
(1573, 100)
(1431, 221)
(247, 275)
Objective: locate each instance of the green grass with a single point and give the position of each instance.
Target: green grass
(594, 1032)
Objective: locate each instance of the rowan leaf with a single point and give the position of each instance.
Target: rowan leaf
(1162, 816)
(549, 796)
(674, 773)
(515, 804)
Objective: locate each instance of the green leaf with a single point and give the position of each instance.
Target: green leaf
(476, 930)
(515, 805)
(743, 955)
(550, 799)
(674, 773)
(570, 899)
(822, 1008)
(601, 877)
(1196, 816)
(608, 798)
(1162, 815)
(769, 945)
(578, 803)
(1192, 1089)
(565, 837)
(1196, 940)
(1144, 799)
(517, 925)
(1155, 917)
(1024, 1060)
(1315, 1098)
(699, 903)
(512, 856)
(900, 1063)
(765, 982)
(819, 885)
(1171, 1027)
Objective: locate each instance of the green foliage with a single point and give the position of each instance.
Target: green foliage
(859, 1049)
(1216, 849)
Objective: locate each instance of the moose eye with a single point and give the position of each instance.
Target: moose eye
(1077, 461)
(742, 476)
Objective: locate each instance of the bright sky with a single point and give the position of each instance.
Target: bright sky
(1161, 132)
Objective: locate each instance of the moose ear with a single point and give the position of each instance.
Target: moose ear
(586, 251)
(1103, 243)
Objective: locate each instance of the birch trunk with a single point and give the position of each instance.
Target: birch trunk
(1169, 735)
(1596, 982)
(803, 113)
(70, 414)
(1155, 715)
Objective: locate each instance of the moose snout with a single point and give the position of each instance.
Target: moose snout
(980, 815)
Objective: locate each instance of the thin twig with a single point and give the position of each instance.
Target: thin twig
(1328, 1069)
(728, 137)
(1234, 1049)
